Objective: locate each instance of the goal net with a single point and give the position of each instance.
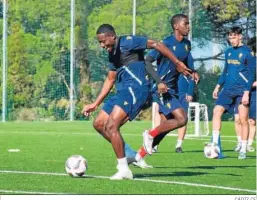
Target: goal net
(198, 123)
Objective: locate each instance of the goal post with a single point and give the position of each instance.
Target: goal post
(198, 122)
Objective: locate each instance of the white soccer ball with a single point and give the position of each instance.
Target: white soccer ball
(76, 166)
(211, 150)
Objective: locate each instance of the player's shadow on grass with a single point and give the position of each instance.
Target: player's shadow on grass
(184, 152)
(178, 174)
(247, 157)
(214, 167)
(228, 150)
(169, 174)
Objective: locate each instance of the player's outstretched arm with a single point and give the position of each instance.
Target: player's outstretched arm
(107, 86)
(159, 46)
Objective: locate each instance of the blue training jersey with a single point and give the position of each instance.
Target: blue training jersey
(166, 69)
(129, 49)
(239, 69)
(253, 91)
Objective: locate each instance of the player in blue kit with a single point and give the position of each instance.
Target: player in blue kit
(252, 111)
(186, 87)
(127, 69)
(236, 80)
(172, 113)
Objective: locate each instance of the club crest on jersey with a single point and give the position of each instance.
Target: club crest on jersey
(125, 103)
(168, 105)
(174, 48)
(186, 47)
(128, 38)
(240, 55)
(229, 54)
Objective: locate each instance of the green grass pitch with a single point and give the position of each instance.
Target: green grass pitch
(44, 147)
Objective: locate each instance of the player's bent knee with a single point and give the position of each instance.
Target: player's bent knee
(182, 121)
(110, 127)
(98, 125)
(243, 121)
(252, 122)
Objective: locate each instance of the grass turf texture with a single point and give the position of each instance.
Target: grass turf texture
(45, 146)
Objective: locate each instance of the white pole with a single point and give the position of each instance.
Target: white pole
(4, 72)
(190, 15)
(72, 11)
(134, 17)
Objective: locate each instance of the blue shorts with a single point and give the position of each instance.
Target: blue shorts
(130, 100)
(233, 109)
(229, 99)
(167, 103)
(252, 110)
(184, 103)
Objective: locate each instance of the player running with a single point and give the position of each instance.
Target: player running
(127, 69)
(172, 113)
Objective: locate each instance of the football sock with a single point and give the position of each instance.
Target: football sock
(141, 154)
(243, 148)
(122, 162)
(153, 133)
(250, 142)
(179, 143)
(239, 139)
(215, 136)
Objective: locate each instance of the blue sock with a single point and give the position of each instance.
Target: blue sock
(129, 152)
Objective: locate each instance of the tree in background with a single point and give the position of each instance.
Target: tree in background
(39, 34)
(224, 14)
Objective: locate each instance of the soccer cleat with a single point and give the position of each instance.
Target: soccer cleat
(242, 156)
(122, 174)
(155, 149)
(238, 147)
(250, 148)
(142, 164)
(179, 150)
(147, 142)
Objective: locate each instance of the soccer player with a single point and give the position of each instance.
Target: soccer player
(186, 92)
(252, 119)
(236, 80)
(252, 110)
(172, 113)
(127, 68)
(185, 95)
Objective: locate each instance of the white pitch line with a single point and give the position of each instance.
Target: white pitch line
(137, 179)
(26, 192)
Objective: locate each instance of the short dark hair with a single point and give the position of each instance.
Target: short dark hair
(236, 30)
(106, 28)
(176, 18)
(252, 44)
